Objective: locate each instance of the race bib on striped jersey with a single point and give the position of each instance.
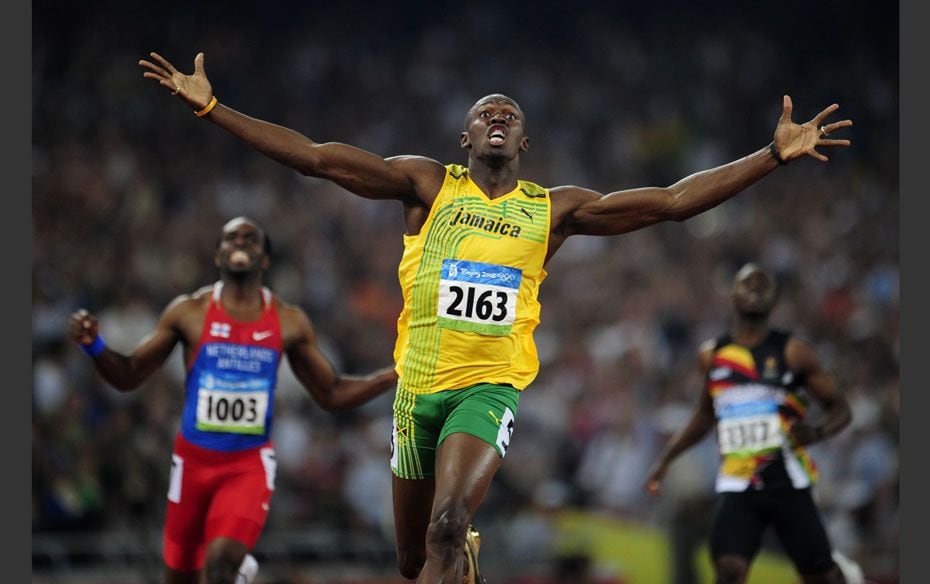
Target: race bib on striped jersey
(478, 297)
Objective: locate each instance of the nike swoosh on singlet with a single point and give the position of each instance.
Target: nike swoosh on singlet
(257, 336)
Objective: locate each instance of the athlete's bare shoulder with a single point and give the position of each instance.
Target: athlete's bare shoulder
(285, 308)
(196, 300)
(295, 324)
(426, 174)
(566, 200)
(707, 346)
(186, 311)
(202, 294)
(185, 302)
(571, 194)
(415, 163)
(706, 353)
(800, 355)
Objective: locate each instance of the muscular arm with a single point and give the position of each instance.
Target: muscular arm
(126, 372)
(702, 421)
(587, 212)
(629, 210)
(332, 391)
(802, 360)
(406, 178)
(410, 179)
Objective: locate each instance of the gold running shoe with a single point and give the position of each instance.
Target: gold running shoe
(472, 545)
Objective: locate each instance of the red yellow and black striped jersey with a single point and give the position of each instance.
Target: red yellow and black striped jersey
(756, 399)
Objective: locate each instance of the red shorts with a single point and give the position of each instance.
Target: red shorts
(215, 494)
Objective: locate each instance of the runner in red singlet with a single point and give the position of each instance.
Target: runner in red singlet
(223, 467)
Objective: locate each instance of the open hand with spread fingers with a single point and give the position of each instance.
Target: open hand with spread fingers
(194, 89)
(795, 140)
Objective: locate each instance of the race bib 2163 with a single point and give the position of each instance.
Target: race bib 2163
(478, 297)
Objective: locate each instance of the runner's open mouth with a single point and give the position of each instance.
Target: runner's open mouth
(239, 257)
(498, 135)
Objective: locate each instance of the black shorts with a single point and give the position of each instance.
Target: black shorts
(741, 519)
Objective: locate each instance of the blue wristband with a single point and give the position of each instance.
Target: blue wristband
(94, 348)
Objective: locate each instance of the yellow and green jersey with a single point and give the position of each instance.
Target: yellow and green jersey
(756, 399)
(470, 281)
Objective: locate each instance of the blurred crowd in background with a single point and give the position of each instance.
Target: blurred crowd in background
(130, 191)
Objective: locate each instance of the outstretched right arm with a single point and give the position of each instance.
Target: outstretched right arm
(126, 372)
(410, 179)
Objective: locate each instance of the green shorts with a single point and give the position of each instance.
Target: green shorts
(421, 422)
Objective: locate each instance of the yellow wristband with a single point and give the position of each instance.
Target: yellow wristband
(207, 109)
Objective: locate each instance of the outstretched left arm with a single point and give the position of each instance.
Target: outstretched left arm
(590, 213)
(802, 360)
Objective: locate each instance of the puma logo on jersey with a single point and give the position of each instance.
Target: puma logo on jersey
(527, 213)
(258, 336)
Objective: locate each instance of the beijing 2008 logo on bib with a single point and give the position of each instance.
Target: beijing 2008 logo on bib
(749, 421)
(478, 297)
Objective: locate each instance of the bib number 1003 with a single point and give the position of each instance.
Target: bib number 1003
(226, 411)
(233, 409)
(469, 303)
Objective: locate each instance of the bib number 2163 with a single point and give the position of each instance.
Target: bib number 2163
(478, 297)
